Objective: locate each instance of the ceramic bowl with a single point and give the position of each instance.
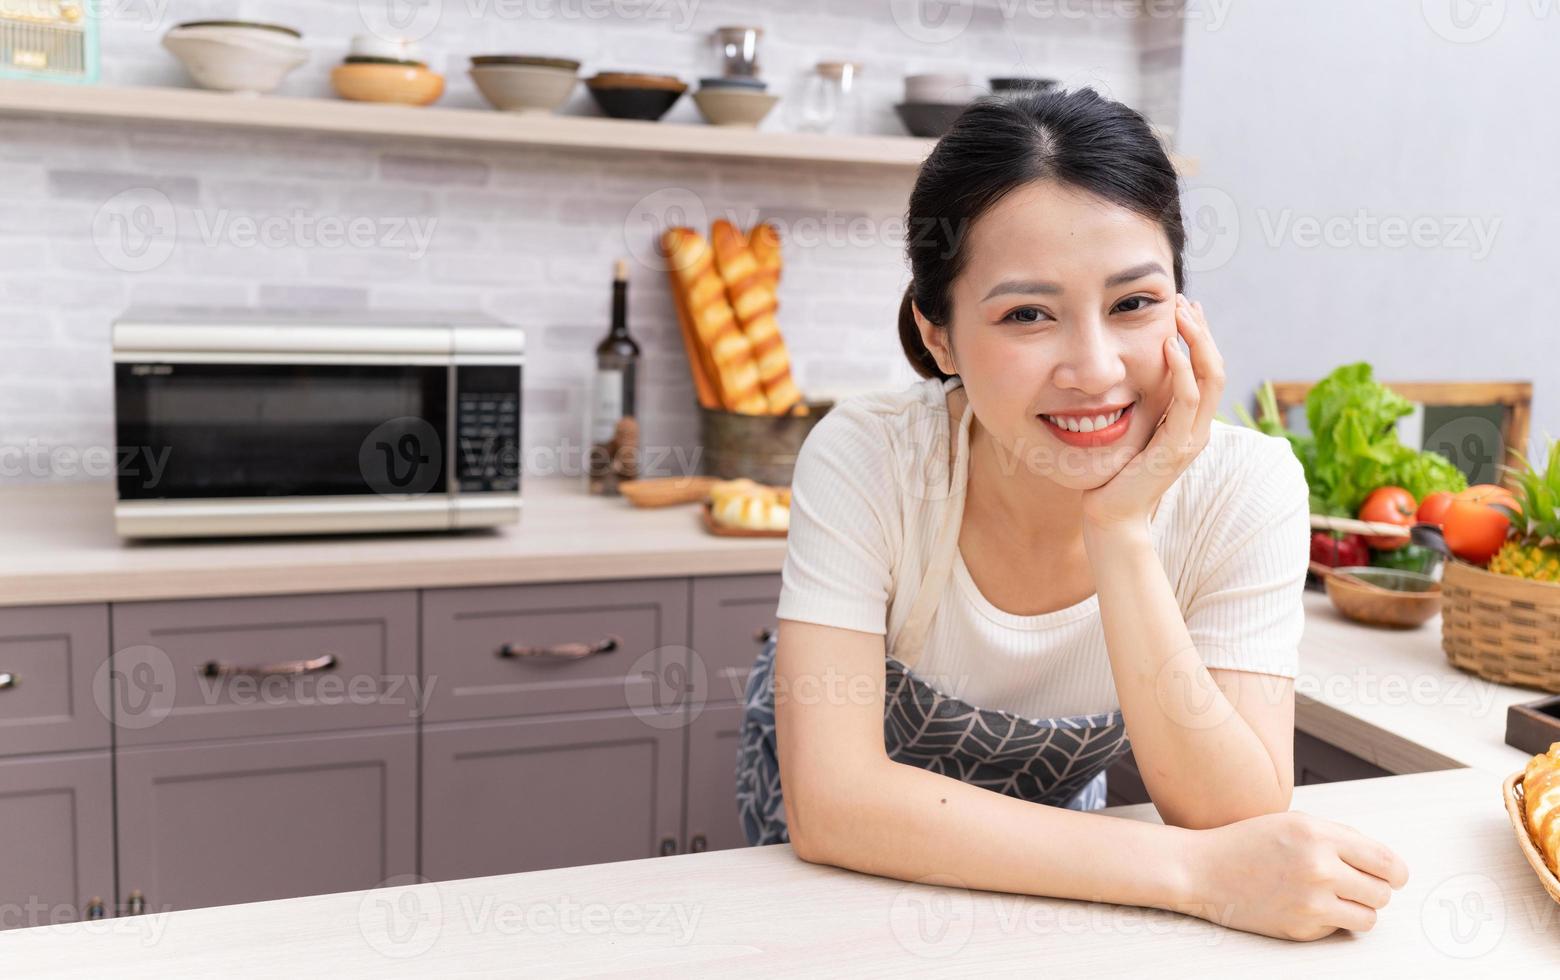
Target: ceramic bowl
(930, 119)
(734, 106)
(944, 87)
(1384, 596)
(526, 60)
(623, 95)
(234, 56)
(524, 88)
(404, 84)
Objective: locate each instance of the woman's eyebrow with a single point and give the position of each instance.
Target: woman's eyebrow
(1136, 272)
(1030, 286)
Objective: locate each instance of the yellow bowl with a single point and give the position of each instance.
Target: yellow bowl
(406, 84)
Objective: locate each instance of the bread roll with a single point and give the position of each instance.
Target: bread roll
(751, 292)
(747, 504)
(718, 345)
(1541, 802)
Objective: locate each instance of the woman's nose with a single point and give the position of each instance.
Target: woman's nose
(1092, 362)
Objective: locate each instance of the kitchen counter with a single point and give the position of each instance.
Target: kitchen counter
(1387, 696)
(1471, 904)
(60, 546)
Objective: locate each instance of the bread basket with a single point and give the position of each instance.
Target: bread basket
(1501, 628)
(1512, 790)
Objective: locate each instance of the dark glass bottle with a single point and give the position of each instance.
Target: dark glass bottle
(612, 416)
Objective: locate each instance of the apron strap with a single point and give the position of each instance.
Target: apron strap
(909, 643)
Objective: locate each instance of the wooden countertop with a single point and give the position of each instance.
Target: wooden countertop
(60, 546)
(1471, 903)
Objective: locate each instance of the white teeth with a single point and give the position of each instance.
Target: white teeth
(1074, 423)
(1086, 424)
(1101, 421)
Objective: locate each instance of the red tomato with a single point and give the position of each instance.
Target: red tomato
(1389, 505)
(1473, 529)
(1432, 510)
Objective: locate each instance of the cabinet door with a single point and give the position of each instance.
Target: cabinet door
(53, 690)
(216, 824)
(506, 796)
(712, 823)
(1317, 761)
(730, 615)
(57, 818)
(545, 649)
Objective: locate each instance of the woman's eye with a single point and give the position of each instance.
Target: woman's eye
(1135, 304)
(1025, 314)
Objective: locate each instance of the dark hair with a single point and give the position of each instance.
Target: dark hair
(1079, 139)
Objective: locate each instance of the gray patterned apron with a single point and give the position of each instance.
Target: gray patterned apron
(1057, 761)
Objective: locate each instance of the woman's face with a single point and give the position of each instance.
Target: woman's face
(1059, 324)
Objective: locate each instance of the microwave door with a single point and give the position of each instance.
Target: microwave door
(191, 431)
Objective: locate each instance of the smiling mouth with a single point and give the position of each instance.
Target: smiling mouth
(1090, 430)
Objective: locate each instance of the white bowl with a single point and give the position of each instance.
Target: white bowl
(394, 49)
(734, 106)
(524, 88)
(236, 59)
(947, 88)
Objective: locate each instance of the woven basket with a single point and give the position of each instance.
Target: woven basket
(1502, 628)
(1512, 791)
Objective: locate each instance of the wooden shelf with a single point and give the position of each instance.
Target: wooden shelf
(337, 116)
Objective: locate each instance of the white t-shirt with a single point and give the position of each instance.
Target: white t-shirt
(1232, 533)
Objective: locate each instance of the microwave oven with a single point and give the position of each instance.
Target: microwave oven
(246, 422)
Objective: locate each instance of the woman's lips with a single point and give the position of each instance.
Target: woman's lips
(1099, 437)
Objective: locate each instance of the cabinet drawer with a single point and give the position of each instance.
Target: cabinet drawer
(730, 615)
(57, 814)
(521, 795)
(518, 650)
(50, 661)
(236, 668)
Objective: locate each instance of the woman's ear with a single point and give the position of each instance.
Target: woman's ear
(935, 339)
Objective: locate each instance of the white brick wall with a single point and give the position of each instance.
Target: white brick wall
(527, 235)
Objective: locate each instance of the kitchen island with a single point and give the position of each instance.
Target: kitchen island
(1471, 905)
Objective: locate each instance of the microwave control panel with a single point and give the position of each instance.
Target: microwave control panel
(487, 427)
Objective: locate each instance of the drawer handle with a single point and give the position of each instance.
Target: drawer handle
(764, 635)
(8, 681)
(560, 651)
(325, 661)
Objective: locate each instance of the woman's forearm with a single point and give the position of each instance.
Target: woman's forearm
(903, 822)
(1202, 763)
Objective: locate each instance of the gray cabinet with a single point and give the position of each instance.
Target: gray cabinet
(1317, 761)
(730, 616)
(57, 817)
(525, 794)
(53, 690)
(232, 668)
(545, 649)
(219, 823)
(710, 809)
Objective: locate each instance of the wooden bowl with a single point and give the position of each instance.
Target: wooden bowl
(1512, 791)
(404, 84)
(1384, 596)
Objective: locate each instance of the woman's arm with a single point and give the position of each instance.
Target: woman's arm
(1213, 747)
(847, 804)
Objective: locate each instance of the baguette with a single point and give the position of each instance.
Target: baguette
(720, 347)
(764, 240)
(1541, 803)
(753, 299)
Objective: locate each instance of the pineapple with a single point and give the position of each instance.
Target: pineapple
(1532, 549)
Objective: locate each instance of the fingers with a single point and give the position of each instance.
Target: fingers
(1356, 886)
(1352, 916)
(1372, 857)
(1207, 362)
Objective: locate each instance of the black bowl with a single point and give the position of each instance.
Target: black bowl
(648, 104)
(1014, 86)
(930, 119)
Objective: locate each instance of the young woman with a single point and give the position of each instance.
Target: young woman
(1000, 575)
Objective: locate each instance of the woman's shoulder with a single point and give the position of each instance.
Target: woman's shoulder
(1243, 480)
(1236, 454)
(883, 426)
